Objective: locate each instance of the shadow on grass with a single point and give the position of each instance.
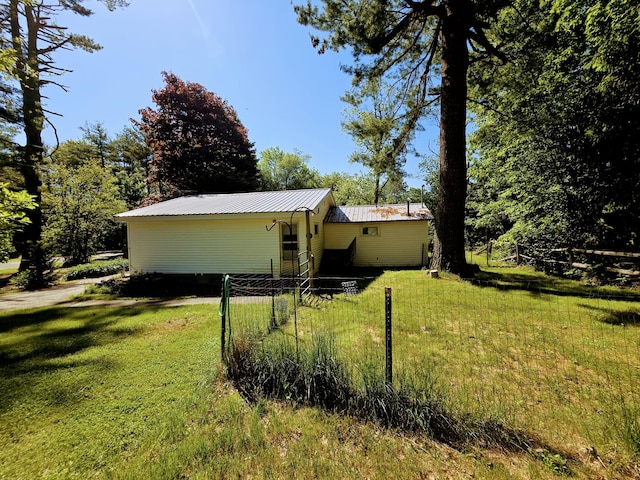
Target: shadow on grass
(36, 337)
(548, 285)
(316, 378)
(616, 317)
(37, 344)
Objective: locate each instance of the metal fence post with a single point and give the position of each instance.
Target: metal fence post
(223, 324)
(388, 344)
(223, 311)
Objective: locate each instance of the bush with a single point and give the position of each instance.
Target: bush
(29, 279)
(100, 268)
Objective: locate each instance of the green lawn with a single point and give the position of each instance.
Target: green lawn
(553, 358)
(138, 393)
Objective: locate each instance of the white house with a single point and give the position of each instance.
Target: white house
(270, 232)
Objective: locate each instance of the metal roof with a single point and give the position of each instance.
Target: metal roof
(234, 203)
(378, 213)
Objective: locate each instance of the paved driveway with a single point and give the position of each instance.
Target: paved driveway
(55, 295)
(62, 295)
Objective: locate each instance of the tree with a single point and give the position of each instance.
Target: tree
(13, 217)
(79, 204)
(199, 145)
(358, 189)
(10, 123)
(558, 159)
(349, 189)
(96, 135)
(409, 39)
(375, 131)
(30, 37)
(286, 171)
(129, 157)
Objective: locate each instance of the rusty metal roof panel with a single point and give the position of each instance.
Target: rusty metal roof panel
(234, 203)
(379, 213)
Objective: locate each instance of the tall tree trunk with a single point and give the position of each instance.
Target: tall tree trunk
(27, 70)
(448, 252)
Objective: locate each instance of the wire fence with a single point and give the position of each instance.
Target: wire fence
(560, 363)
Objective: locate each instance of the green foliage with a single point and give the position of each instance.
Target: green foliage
(420, 48)
(557, 146)
(32, 279)
(13, 216)
(30, 37)
(359, 189)
(554, 462)
(80, 204)
(99, 268)
(286, 171)
(375, 124)
(199, 144)
(129, 157)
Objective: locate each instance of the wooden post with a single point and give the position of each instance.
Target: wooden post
(388, 343)
(312, 266)
(517, 254)
(488, 250)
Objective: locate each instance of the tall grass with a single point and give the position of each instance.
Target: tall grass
(317, 375)
(552, 358)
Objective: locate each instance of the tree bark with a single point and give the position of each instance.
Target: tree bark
(27, 70)
(448, 252)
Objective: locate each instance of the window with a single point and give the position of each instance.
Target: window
(289, 241)
(370, 231)
(315, 228)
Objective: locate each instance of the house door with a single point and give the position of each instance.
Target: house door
(289, 248)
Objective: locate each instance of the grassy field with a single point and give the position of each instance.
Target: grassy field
(553, 358)
(138, 392)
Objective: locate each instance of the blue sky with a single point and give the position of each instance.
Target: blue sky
(252, 53)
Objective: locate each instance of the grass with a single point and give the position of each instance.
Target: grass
(137, 392)
(554, 358)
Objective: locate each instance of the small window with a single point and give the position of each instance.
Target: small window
(370, 231)
(315, 229)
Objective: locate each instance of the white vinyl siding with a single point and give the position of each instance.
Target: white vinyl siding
(203, 246)
(396, 244)
(318, 240)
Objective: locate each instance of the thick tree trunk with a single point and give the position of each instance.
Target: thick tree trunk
(448, 252)
(27, 70)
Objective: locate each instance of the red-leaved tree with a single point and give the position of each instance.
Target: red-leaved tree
(198, 143)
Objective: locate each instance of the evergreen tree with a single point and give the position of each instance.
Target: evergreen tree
(412, 41)
(375, 124)
(30, 37)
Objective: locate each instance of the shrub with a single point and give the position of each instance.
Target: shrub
(29, 280)
(97, 269)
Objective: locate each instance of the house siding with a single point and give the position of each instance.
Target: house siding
(318, 241)
(204, 246)
(398, 244)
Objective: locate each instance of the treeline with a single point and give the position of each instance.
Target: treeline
(552, 88)
(555, 157)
